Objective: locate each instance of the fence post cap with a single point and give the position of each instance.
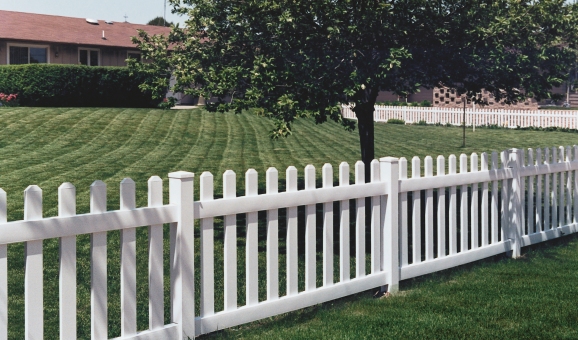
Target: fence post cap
(181, 174)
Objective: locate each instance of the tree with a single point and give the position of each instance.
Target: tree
(293, 59)
(159, 21)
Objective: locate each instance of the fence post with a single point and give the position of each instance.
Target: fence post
(389, 169)
(514, 225)
(182, 253)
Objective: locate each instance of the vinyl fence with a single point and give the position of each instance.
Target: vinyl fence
(474, 117)
(418, 223)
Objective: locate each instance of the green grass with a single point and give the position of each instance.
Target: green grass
(49, 146)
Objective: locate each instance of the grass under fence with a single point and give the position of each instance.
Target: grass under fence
(49, 146)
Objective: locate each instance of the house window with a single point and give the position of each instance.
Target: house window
(88, 57)
(133, 55)
(22, 54)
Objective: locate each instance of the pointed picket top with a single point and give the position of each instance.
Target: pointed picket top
(428, 166)
(229, 184)
(343, 173)
(415, 167)
(463, 163)
(474, 162)
(3, 207)
(402, 168)
(206, 186)
(66, 199)
(155, 193)
(561, 155)
(272, 178)
(485, 162)
(127, 194)
(309, 177)
(530, 156)
(504, 158)
(98, 197)
(327, 175)
(32, 203)
(546, 156)
(181, 174)
(441, 165)
(251, 182)
(568, 154)
(452, 164)
(291, 178)
(360, 172)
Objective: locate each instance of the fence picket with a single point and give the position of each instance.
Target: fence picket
(530, 213)
(252, 243)
(67, 268)
(453, 234)
(464, 206)
(375, 221)
(344, 258)
(539, 192)
(155, 243)
(404, 238)
(547, 193)
(33, 269)
(3, 273)
(360, 223)
(272, 179)
(441, 213)
(310, 235)
(561, 189)
(485, 204)
(127, 263)
(291, 179)
(554, 190)
(206, 194)
(429, 213)
(230, 243)
(327, 173)
(495, 201)
(505, 198)
(568, 188)
(416, 213)
(98, 274)
(474, 230)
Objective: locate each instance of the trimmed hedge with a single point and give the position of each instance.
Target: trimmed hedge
(74, 85)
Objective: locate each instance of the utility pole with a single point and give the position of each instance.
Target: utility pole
(165, 13)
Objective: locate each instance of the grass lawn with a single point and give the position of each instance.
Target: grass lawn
(49, 146)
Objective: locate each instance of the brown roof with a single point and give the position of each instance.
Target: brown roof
(57, 29)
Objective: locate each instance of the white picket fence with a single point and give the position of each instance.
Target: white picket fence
(419, 224)
(474, 117)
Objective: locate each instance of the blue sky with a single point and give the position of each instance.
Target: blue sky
(137, 11)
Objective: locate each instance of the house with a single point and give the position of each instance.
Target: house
(37, 38)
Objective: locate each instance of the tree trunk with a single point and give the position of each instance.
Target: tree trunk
(364, 114)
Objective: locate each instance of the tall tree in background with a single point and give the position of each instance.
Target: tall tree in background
(159, 21)
(295, 58)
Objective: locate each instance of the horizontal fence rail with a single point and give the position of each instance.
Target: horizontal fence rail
(268, 252)
(474, 116)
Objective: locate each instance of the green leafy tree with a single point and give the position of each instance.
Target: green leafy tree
(293, 59)
(159, 21)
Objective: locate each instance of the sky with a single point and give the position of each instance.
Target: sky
(137, 11)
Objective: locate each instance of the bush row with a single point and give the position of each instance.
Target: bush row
(74, 85)
(425, 103)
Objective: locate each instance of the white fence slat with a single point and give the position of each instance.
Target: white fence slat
(568, 188)
(375, 221)
(561, 189)
(292, 276)
(252, 242)
(539, 192)
(390, 254)
(127, 263)
(310, 235)
(474, 230)
(344, 258)
(230, 244)
(464, 206)
(98, 264)
(272, 183)
(404, 233)
(327, 175)
(429, 213)
(360, 223)
(206, 193)
(441, 213)
(547, 194)
(453, 213)
(531, 214)
(416, 213)
(554, 188)
(181, 188)
(155, 260)
(485, 220)
(521, 165)
(504, 157)
(67, 268)
(33, 269)
(3, 273)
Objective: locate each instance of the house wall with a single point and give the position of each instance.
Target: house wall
(3, 47)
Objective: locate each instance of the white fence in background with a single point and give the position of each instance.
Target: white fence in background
(474, 117)
(419, 224)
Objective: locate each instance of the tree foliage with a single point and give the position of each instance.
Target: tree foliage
(159, 21)
(304, 58)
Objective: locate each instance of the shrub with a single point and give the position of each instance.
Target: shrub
(395, 121)
(422, 122)
(74, 85)
(8, 99)
(426, 103)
